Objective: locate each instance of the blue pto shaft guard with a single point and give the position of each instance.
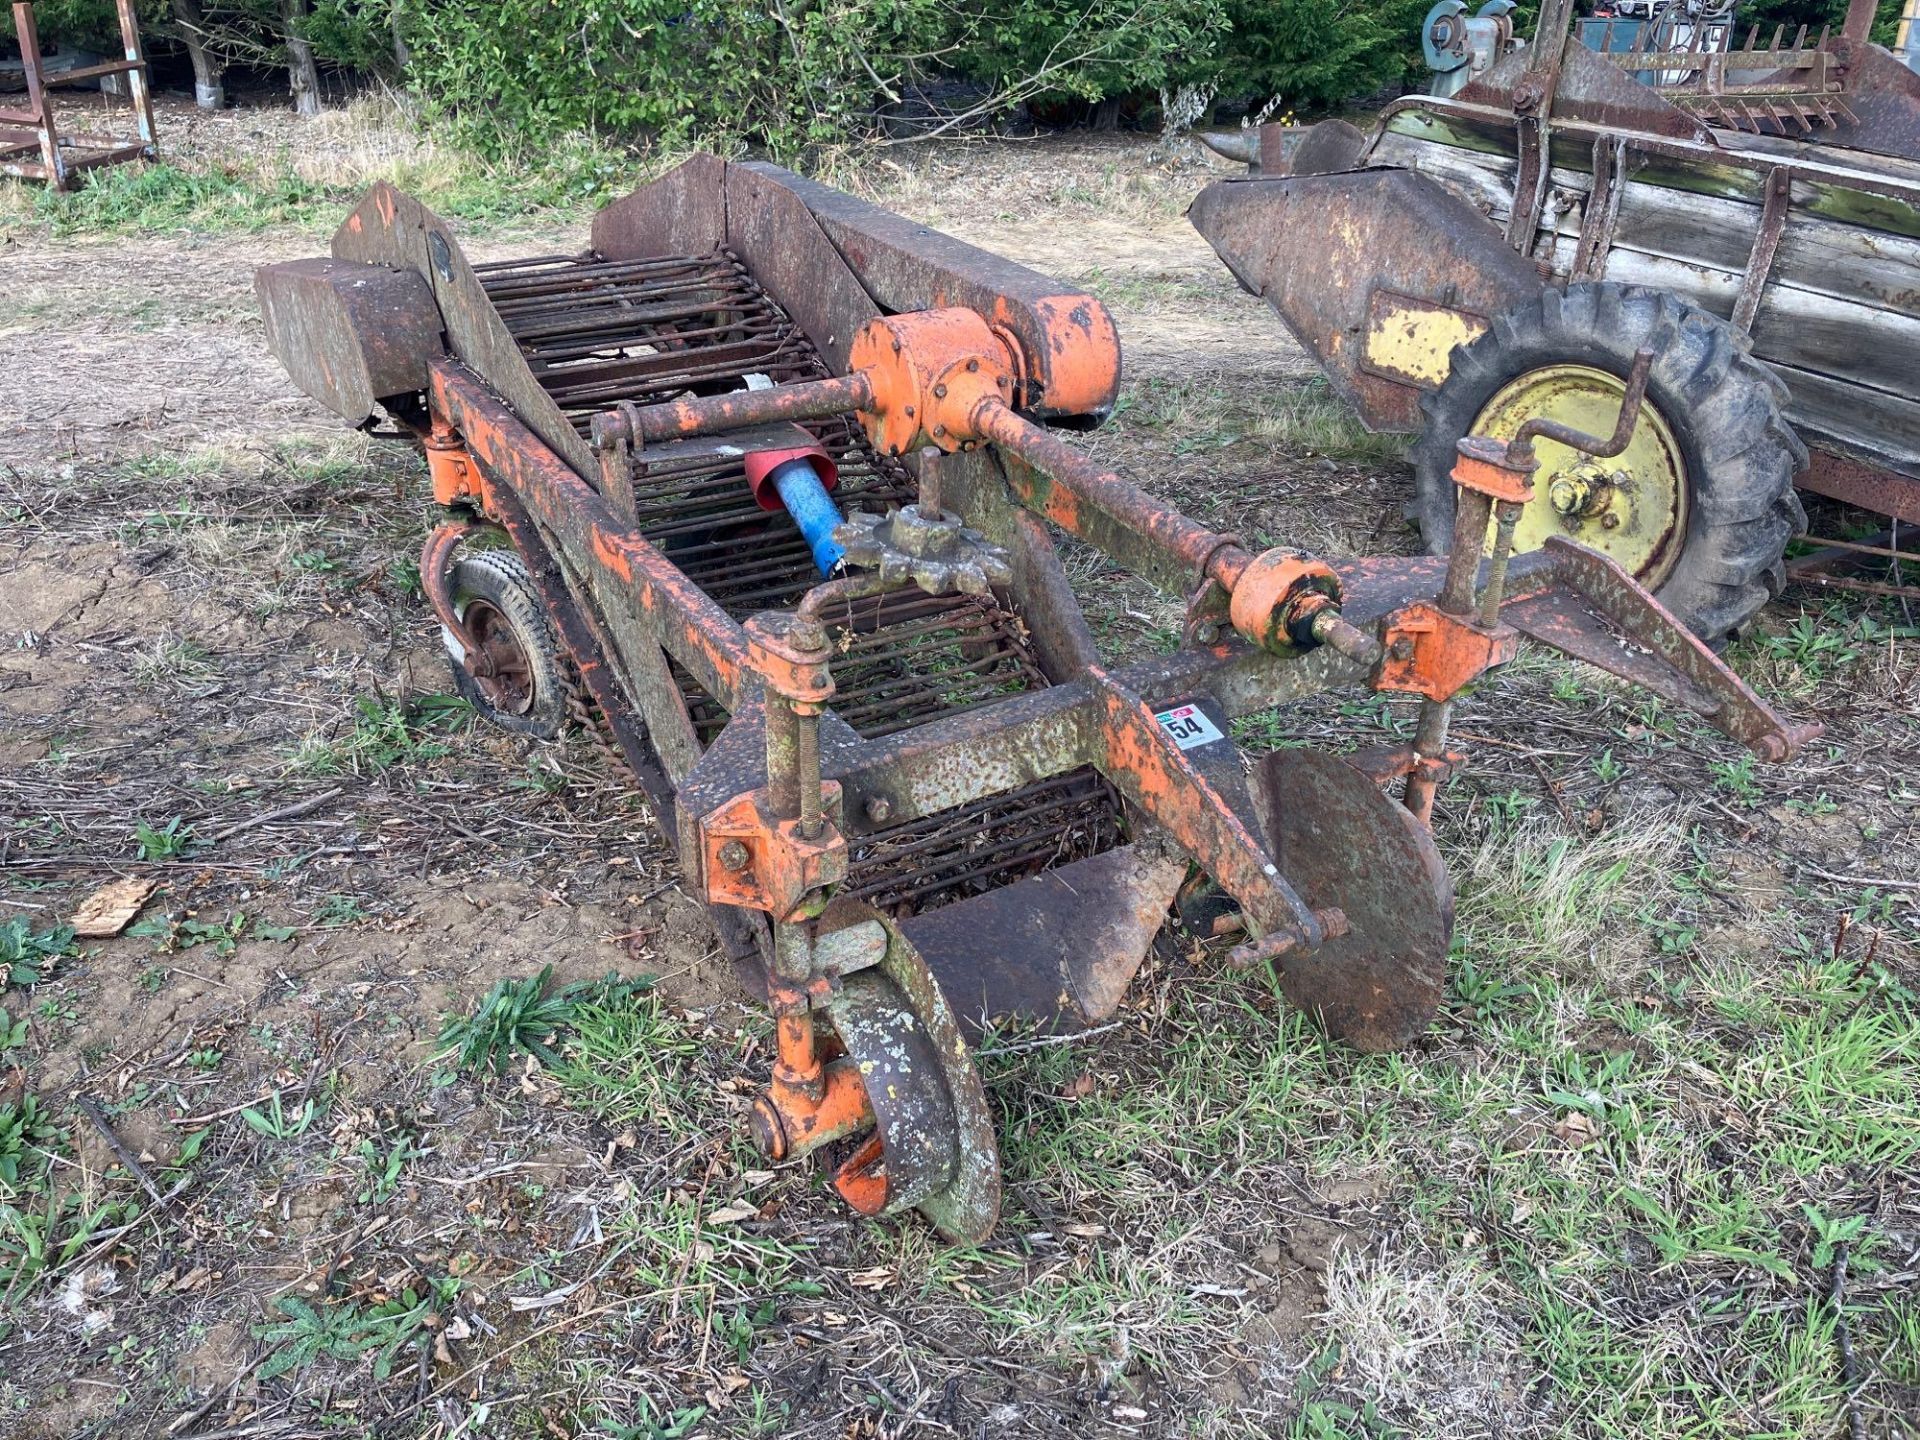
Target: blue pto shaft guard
(805, 498)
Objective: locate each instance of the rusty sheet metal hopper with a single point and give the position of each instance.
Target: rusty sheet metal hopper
(765, 480)
(1751, 207)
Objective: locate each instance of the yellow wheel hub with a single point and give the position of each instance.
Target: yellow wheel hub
(1633, 507)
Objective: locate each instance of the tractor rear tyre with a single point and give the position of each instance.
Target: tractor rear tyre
(1701, 504)
(525, 691)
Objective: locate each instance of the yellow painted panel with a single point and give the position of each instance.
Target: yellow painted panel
(1410, 340)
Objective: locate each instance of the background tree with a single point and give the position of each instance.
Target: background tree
(190, 29)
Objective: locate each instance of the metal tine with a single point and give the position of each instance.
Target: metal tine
(579, 291)
(1052, 810)
(634, 359)
(670, 334)
(957, 622)
(883, 691)
(599, 378)
(977, 863)
(485, 267)
(958, 625)
(629, 377)
(776, 557)
(557, 285)
(510, 278)
(576, 299)
(604, 324)
(683, 340)
(884, 717)
(1055, 791)
(786, 594)
(613, 319)
(590, 383)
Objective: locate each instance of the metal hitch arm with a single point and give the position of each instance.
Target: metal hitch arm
(1559, 612)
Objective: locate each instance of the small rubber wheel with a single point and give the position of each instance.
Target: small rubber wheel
(1701, 504)
(494, 596)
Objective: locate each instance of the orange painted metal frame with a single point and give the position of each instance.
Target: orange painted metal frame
(1432, 653)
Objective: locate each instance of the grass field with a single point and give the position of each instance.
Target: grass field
(413, 1103)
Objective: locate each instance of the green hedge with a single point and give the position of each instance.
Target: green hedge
(787, 74)
(803, 71)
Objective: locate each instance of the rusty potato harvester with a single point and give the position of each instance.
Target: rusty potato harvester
(1746, 204)
(767, 480)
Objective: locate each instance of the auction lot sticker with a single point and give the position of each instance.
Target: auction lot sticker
(1188, 726)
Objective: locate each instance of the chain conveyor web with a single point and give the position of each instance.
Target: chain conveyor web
(597, 332)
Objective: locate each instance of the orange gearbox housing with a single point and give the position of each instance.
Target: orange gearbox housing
(930, 372)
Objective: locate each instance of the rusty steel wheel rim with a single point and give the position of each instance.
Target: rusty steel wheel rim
(509, 685)
(1632, 508)
(932, 1147)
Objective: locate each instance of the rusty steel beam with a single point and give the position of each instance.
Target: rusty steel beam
(1856, 482)
(1083, 498)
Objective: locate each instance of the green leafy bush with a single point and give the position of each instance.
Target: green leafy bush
(1309, 53)
(789, 75)
(1092, 51)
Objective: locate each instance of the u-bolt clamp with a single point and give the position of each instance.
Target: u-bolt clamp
(615, 435)
(779, 849)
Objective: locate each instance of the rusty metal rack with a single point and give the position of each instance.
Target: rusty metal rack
(597, 333)
(767, 476)
(62, 156)
(1785, 84)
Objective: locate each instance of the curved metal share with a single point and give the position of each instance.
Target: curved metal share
(1341, 842)
(936, 1150)
(1241, 145)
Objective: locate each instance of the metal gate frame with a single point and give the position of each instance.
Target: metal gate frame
(64, 156)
